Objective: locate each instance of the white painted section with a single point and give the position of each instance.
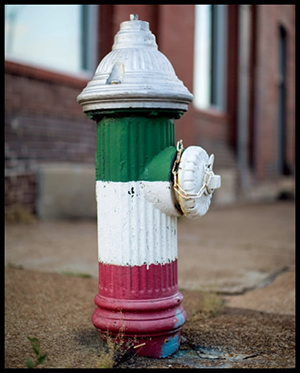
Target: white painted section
(131, 230)
(162, 195)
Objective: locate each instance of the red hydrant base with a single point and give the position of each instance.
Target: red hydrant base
(148, 327)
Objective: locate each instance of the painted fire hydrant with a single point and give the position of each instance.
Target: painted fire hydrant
(143, 183)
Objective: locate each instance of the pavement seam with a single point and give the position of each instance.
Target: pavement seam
(261, 284)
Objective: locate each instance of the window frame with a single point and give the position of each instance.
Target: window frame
(217, 99)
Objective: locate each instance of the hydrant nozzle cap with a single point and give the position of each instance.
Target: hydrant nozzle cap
(135, 74)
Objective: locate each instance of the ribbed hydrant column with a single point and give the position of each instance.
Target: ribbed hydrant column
(137, 243)
(143, 183)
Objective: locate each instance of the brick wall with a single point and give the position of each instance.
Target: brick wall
(43, 123)
(266, 88)
(32, 137)
(20, 190)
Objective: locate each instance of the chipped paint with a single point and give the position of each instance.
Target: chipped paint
(180, 319)
(170, 346)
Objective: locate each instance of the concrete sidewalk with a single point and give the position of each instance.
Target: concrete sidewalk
(244, 254)
(230, 250)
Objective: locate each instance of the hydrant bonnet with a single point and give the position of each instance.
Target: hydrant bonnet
(135, 75)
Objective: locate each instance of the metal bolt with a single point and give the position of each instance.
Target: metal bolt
(134, 17)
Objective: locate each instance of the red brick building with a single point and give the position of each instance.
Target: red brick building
(243, 109)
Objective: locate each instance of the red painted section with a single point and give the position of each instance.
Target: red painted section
(138, 282)
(148, 317)
(141, 302)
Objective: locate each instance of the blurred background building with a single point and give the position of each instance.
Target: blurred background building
(237, 60)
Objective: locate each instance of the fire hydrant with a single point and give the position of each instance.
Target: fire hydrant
(143, 183)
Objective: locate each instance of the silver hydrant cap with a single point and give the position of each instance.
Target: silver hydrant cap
(135, 74)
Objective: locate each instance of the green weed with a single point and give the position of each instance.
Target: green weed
(40, 356)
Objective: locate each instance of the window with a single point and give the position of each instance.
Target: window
(210, 57)
(60, 37)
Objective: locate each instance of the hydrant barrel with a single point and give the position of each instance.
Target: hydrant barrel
(137, 243)
(135, 97)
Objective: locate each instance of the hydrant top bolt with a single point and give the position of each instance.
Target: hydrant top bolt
(134, 17)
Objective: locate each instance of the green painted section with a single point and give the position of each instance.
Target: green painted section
(160, 167)
(129, 146)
